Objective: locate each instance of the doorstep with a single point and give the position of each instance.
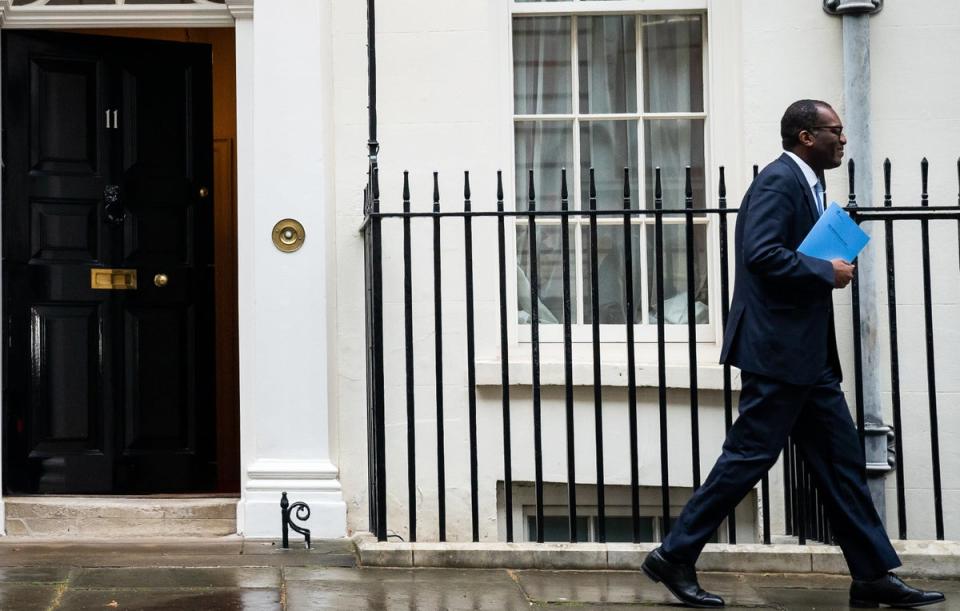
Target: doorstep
(99, 517)
(932, 559)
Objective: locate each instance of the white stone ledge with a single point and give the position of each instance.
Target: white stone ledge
(932, 559)
(709, 376)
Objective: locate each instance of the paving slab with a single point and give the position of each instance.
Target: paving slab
(573, 606)
(814, 591)
(211, 553)
(395, 589)
(621, 587)
(176, 599)
(40, 546)
(32, 574)
(136, 560)
(185, 577)
(28, 597)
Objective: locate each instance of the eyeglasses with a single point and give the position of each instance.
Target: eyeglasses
(836, 130)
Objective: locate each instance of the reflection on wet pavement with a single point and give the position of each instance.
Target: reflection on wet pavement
(46, 576)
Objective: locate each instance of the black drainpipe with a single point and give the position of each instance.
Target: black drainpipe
(372, 144)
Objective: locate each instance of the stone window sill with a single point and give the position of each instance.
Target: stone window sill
(709, 376)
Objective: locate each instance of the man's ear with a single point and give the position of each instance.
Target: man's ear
(805, 138)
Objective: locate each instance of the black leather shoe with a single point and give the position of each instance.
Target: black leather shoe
(681, 580)
(891, 591)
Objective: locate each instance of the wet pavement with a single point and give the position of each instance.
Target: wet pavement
(233, 574)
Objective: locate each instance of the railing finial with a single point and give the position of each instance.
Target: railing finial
(626, 189)
(886, 182)
(531, 193)
(851, 182)
(924, 173)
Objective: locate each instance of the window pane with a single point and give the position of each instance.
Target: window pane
(620, 529)
(673, 145)
(607, 48)
(550, 268)
(546, 147)
(610, 275)
(557, 528)
(673, 63)
(675, 274)
(608, 147)
(541, 65)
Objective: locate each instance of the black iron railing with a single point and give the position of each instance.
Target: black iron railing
(804, 516)
(923, 214)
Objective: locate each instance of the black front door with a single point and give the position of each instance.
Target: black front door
(107, 263)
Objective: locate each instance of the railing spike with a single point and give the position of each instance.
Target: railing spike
(563, 185)
(500, 189)
(627, 205)
(657, 189)
(593, 182)
(886, 179)
(756, 170)
(852, 181)
(436, 190)
(406, 185)
(723, 183)
(466, 184)
(531, 194)
(376, 184)
(924, 172)
(688, 186)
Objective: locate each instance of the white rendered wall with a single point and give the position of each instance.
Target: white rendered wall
(445, 105)
(285, 393)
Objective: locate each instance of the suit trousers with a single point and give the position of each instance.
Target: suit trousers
(818, 420)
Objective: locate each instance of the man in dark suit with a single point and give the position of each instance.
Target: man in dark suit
(780, 333)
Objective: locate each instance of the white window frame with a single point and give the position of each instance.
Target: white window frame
(591, 513)
(644, 332)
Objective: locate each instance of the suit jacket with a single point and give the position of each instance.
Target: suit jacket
(781, 319)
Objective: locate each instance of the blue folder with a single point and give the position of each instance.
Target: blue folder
(834, 236)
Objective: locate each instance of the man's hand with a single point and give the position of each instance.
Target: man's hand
(842, 273)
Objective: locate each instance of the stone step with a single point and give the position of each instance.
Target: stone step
(113, 517)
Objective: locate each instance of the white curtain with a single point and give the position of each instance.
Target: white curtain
(607, 83)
